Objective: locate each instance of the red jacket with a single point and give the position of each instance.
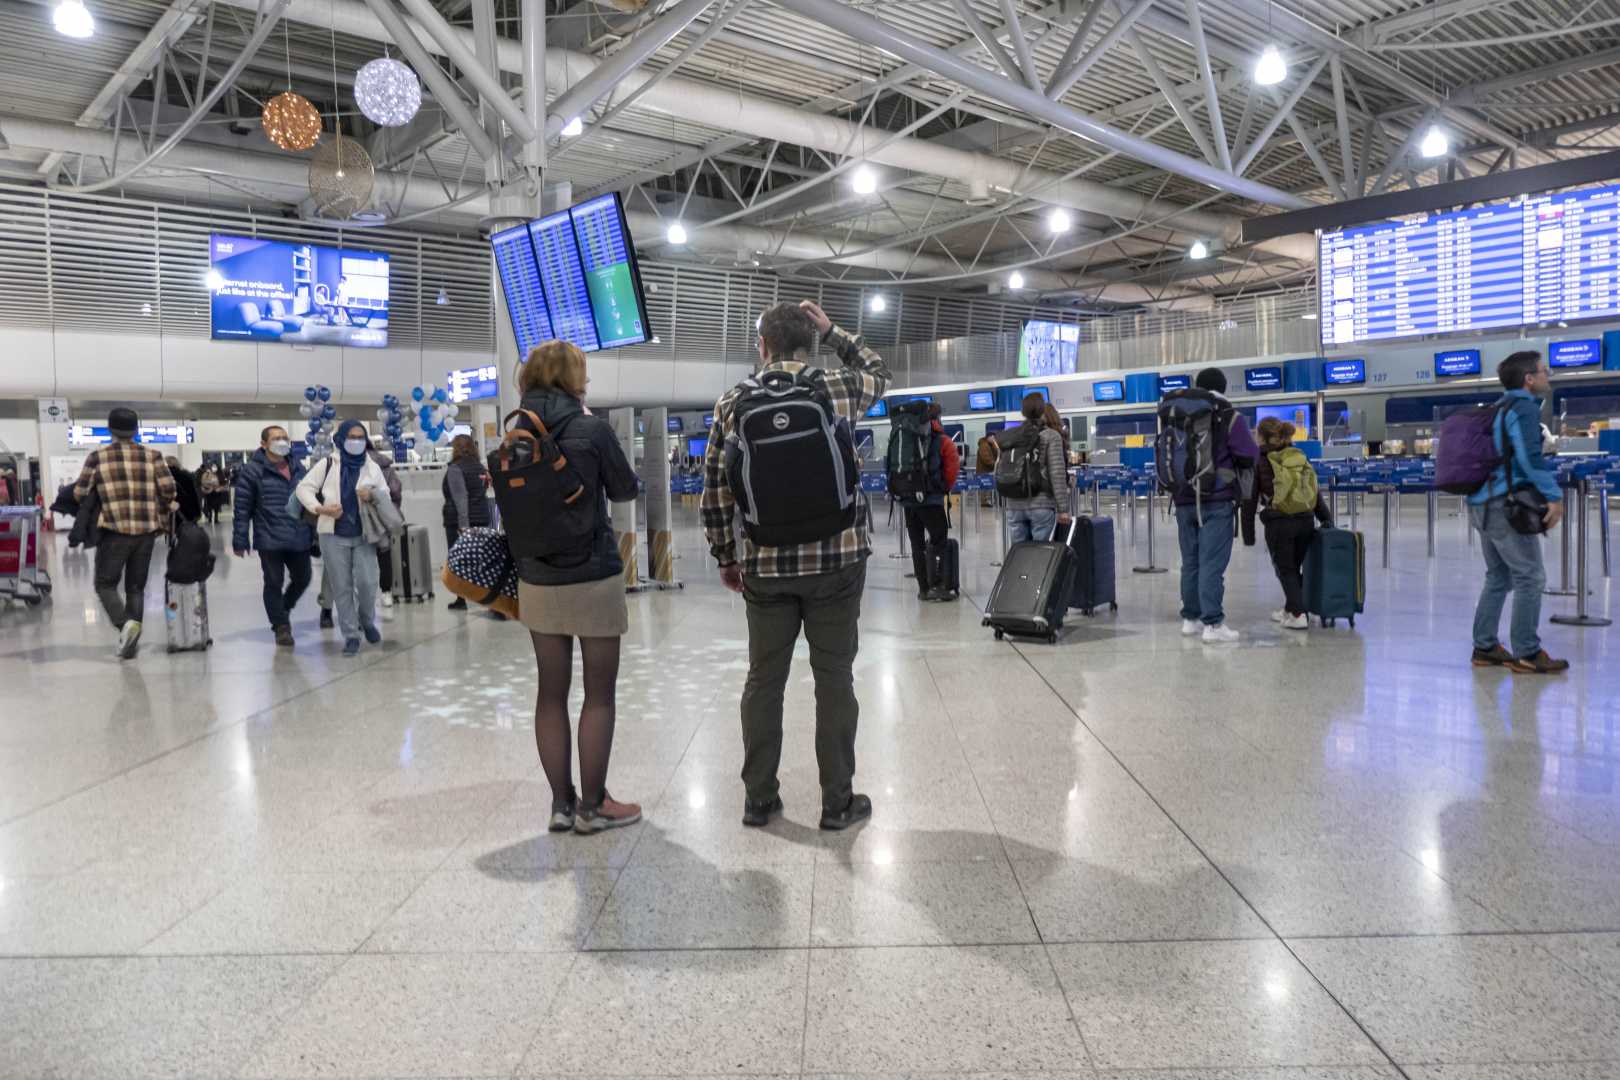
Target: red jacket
(950, 459)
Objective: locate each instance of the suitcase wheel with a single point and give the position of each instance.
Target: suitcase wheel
(1112, 606)
(999, 635)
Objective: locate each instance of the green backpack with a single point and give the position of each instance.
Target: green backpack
(1293, 482)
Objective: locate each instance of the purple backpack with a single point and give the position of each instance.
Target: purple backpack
(1467, 454)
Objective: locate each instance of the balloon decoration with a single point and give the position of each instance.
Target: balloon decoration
(320, 412)
(393, 421)
(432, 413)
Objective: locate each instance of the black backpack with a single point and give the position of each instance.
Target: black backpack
(1020, 471)
(548, 502)
(913, 459)
(790, 460)
(191, 559)
(1193, 426)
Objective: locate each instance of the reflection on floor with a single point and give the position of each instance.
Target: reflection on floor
(1343, 851)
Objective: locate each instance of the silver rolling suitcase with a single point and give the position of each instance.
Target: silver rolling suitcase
(185, 616)
(412, 558)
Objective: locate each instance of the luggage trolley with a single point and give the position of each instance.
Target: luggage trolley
(21, 577)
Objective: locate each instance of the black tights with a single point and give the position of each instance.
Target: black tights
(554, 656)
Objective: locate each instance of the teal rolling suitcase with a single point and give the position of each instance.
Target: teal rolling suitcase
(1336, 576)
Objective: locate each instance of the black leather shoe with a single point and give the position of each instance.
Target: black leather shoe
(759, 814)
(858, 809)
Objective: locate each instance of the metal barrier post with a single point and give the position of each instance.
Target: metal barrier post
(1096, 497)
(1152, 512)
(1580, 618)
(1001, 532)
(1467, 520)
(1354, 498)
(1564, 586)
(1434, 502)
(1133, 513)
(1389, 494)
(1603, 522)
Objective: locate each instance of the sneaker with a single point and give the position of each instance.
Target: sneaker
(756, 815)
(1539, 664)
(351, 647)
(610, 815)
(1280, 615)
(1495, 656)
(129, 640)
(1296, 622)
(459, 604)
(562, 815)
(284, 636)
(858, 809)
(1189, 627)
(1220, 634)
(387, 600)
(326, 618)
(373, 635)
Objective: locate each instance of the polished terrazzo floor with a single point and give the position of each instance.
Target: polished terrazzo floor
(1329, 856)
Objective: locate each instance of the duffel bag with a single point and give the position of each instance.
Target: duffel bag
(480, 568)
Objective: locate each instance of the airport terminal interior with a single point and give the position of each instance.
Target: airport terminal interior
(1109, 837)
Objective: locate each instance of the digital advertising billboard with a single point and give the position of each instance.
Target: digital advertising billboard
(297, 294)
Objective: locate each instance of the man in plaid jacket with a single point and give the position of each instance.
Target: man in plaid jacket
(817, 586)
(137, 495)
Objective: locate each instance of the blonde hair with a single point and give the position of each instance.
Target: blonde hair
(553, 365)
(1274, 432)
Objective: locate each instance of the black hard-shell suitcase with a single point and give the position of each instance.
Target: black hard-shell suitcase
(945, 566)
(1031, 594)
(1336, 575)
(1094, 565)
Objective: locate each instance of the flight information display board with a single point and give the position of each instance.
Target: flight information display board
(573, 275)
(1540, 259)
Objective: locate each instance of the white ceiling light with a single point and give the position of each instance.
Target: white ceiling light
(879, 304)
(676, 233)
(214, 280)
(443, 298)
(573, 128)
(1059, 221)
(387, 92)
(1015, 280)
(863, 180)
(1199, 250)
(1434, 144)
(1309, 316)
(1271, 68)
(72, 19)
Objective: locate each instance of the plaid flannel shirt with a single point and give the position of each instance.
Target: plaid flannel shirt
(134, 484)
(853, 389)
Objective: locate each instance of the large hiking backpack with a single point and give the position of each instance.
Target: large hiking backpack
(790, 460)
(1020, 472)
(548, 503)
(913, 459)
(1467, 455)
(1193, 425)
(190, 558)
(1293, 482)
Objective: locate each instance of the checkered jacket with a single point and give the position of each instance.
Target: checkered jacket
(853, 389)
(134, 484)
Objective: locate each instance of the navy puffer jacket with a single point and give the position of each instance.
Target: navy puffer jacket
(261, 498)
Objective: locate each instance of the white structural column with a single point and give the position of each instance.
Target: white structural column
(534, 78)
(392, 24)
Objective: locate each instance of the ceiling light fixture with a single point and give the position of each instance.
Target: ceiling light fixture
(443, 298)
(291, 122)
(676, 233)
(1271, 68)
(1059, 221)
(878, 304)
(1309, 316)
(864, 180)
(1435, 143)
(1199, 250)
(72, 19)
(573, 128)
(388, 92)
(1015, 280)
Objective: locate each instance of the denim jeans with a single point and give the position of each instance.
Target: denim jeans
(294, 566)
(1034, 524)
(1512, 564)
(349, 565)
(1205, 551)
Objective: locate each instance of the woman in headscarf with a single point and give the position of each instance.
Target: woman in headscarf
(333, 490)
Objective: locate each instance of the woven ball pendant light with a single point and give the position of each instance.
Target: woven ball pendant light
(291, 122)
(387, 92)
(341, 176)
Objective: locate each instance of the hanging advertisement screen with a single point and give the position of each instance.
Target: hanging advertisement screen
(296, 294)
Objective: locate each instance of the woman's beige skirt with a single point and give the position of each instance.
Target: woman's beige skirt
(589, 609)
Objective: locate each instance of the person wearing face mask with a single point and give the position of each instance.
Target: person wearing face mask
(263, 525)
(333, 490)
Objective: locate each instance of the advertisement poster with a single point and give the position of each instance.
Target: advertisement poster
(298, 294)
(1048, 348)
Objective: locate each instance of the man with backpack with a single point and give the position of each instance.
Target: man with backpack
(281, 540)
(781, 458)
(1204, 456)
(1510, 535)
(1032, 475)
(922, 465)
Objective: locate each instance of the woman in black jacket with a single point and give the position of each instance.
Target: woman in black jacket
(1289, 531)
(465, 504)
(577, 594)
(187, 492)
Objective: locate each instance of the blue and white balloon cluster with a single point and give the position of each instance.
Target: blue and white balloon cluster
(433, 413)
(320, 412)
(394, 422)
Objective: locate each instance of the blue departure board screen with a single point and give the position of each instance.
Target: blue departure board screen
(1587, 353)
(1260, 379)
(880, 407)
(1169, 383)
(1108, 390)
(520, 281)
(1541, 258)
(1344, 372)
(981, 400)
(610, 272)
(563, 276)
(1455, 362)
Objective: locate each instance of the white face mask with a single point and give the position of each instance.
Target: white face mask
(354, 447)
(280, 447)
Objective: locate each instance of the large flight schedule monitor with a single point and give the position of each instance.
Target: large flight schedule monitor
(573, 275)
(1541, 258)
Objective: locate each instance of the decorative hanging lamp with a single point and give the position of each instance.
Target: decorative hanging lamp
(291, 122)
(341, 176)
(388, 92)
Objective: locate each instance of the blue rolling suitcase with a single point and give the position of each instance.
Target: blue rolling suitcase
(1093, 546)
(1336, 576)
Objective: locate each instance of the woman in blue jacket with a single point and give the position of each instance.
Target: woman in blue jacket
(282, 541)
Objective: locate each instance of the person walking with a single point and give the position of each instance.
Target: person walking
(261, 524)
(463, 487)
(578, 593)
(136, 494)
(208, 483)
(333, 490)
(984, 461)
(1037, 515)
(1513, 558)
(805, 543)
(187, 495)
(1289, 504)
(930, 516)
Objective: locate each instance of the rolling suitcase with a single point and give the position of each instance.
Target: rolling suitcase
(945, 566)
(1336, 576)
(411, 557)
(1031, 594)
(1093, 546)
(185, 616)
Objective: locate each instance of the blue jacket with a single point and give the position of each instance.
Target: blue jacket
(261, 498)
(1522, 420)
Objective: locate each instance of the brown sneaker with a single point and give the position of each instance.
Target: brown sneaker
(1539, 664)
(1495, 656)
(610, 815)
